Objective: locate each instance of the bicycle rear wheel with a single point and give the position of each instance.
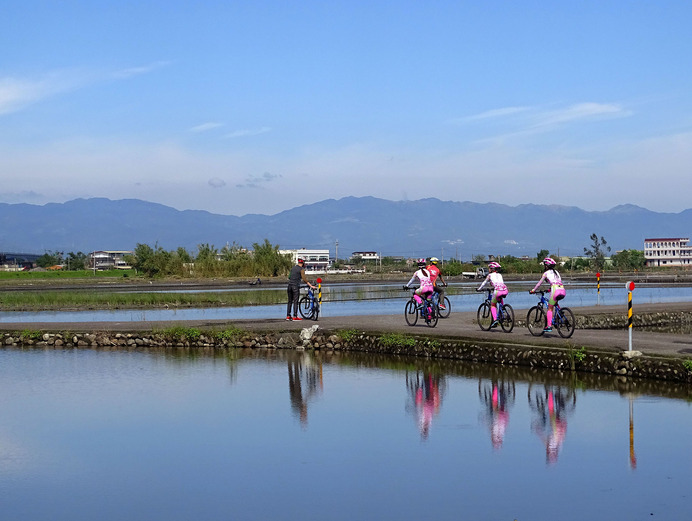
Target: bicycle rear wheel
(305, 307)
(535, 321)
(433, 316)
(484, 316)
(411, 313)
(444, 313)
(564, 322)
(507, 318)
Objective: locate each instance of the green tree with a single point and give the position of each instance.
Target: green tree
(597, 252)
(268, 261)
(542, 255)
(629, 260)
(150, 261)
(50, 258)
(76, 261)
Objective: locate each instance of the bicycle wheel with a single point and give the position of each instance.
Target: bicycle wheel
(535, 321)
(444, 313)
(564, 322)
(484, 316)
(316, 311)
(411, 313)
(507, 318)
(305, 307)
(432, 318)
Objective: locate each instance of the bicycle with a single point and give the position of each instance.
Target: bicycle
(505, 314)
(536, 318)
(309, 306)
(443, 313)
(428, 310)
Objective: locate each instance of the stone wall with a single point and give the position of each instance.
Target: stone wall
(567, 358)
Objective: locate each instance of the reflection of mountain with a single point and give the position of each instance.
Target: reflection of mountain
(552, 405)
(424, 398)
(357, 223)
(497, 396)
(304, 383)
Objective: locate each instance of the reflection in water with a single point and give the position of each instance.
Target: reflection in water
(304, 383)
(496, 396)
(425, 391)
(551, 405)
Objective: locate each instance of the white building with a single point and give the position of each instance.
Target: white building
(366, 255)
(107, 260)
(671, 252)
(315, 260)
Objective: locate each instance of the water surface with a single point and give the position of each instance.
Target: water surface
(258, 435)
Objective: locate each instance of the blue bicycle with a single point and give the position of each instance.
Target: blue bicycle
(428, 310)
(505, 314)
(536, 318)
(309, 306)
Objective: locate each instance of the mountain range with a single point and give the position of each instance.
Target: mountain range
(400, 228)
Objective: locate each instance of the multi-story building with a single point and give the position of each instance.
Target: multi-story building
(107, 260)
(675, 251)
(315, 260)
(366, 255)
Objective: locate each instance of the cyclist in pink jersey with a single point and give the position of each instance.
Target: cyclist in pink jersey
(557, 289)
(426, 286)
(497, 283)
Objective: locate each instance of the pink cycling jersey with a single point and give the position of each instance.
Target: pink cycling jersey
(496, 282)
(423, 276)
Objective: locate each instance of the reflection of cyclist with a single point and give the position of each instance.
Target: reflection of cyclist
(426, 287)
(497, 397)
(426, 397)
(436, 274)
(495, 280)
(552, 406)
(557, 289)
(304, 381)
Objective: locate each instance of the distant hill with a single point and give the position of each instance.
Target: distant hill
(407, 228)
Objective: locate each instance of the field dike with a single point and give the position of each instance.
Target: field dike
(568, 357)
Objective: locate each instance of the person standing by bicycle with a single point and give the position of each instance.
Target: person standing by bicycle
(435, 274)
(497, 283)
(426, 287)
(295, 277)
(557, 289)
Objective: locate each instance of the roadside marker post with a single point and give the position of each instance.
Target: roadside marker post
(319, 292)
(629, 286)
(598, 288)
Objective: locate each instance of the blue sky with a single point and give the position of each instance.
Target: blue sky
(257, 107)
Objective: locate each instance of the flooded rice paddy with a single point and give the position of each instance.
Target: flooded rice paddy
(270, 435)
(366, 299)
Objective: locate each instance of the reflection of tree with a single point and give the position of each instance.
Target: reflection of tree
(496, 396)
(552, 405)
(425, 392)
(304, 382)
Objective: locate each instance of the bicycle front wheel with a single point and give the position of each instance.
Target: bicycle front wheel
(316, 311)
(484, 316)
(507, 320)
(444, 313)
(535, 321)
(564, 322)
(411, 313)
(305, 307)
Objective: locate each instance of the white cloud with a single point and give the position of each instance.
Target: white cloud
(246, 132)
(137, 71)
(206, 126)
